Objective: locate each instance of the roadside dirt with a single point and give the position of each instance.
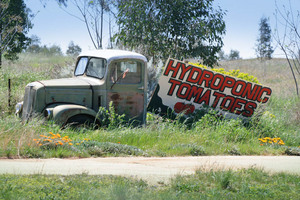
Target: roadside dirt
(152, 169)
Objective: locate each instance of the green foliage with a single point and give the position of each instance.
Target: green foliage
(14, 25)
(179, 29)
(235, 73)
(109, 118)
(264, 47)
(222, 55)
(73, 50)
(53, 50)
(234, 55)
(227, 184)
(34, 44)
(226, 180)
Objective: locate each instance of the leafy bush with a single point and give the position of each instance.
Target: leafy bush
(235, 73)
(109, 118)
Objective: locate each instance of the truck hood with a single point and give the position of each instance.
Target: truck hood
(78, 83)
(77, 90)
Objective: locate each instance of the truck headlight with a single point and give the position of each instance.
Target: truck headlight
(48, 113)
(19, 108)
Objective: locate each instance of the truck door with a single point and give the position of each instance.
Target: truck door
(127, 88)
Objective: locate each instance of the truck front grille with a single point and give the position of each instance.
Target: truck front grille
(28, 105)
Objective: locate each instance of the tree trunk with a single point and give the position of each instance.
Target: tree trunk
(102, 10)
(0, 44)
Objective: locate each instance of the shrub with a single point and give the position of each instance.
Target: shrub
(109, 118)
(235, 73)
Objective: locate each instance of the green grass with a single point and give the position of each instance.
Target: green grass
(160, 137)
(29, 68)
(241, 184)
(208, 136)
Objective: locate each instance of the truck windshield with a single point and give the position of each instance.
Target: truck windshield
(95, 67)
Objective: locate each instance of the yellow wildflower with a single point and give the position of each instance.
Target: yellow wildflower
(281, 142)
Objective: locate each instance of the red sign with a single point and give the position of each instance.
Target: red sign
(184, 88)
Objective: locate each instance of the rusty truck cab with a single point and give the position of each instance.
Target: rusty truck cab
(117, 76)
(100, 76)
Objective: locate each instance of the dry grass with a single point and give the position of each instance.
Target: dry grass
(29, 68)
(274, 73)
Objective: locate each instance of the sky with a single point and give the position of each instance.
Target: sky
(55, 26)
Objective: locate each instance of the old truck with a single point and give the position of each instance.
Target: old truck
(100, 77)
(120, 77)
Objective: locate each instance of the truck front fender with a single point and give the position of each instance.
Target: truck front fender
(61, 113)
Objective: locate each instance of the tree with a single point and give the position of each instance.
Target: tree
(289, 39)
(92, 14)
(176, 28)
(14, 24)
(34, 45)
(234, 55)
(53, 50)
(264, 49)
(222, 55)
(73, 50)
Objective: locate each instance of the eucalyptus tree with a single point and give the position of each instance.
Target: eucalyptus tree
(14, 25)
(175, 28)
(264, 49)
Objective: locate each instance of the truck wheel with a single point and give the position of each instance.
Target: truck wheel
(78, 121)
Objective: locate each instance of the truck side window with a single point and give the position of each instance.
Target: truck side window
(80, 68)
(126, 72)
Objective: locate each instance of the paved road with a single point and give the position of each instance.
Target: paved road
(152, 169)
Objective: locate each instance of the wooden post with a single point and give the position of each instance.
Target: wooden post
(9, 92)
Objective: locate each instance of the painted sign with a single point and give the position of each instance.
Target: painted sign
(184, 88)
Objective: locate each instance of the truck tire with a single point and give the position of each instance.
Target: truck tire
(82, 121)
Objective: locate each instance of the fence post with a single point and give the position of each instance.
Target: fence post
(9, 92)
